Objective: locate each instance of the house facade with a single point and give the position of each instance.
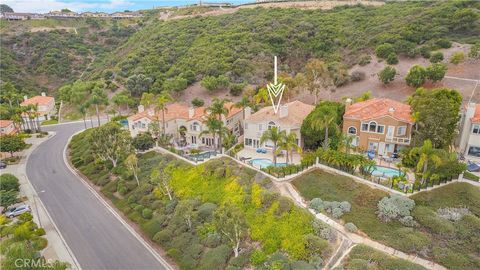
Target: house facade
(469, 143)
(289, 118)
(46, 106)
(381, 125)
(184, 124)
(7, 127)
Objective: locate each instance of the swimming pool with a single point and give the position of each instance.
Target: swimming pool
(385, 171)
(264, 163)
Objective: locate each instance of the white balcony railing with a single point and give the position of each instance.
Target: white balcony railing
(399, 140)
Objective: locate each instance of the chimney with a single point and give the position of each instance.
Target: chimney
(283, 111)
(141, 108)
(248, 112)
(191, 112)
(43, 94)
(25, 97)
(348, 102)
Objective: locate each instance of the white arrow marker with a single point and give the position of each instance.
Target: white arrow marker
(275, 89)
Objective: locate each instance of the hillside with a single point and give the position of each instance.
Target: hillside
(241, 45)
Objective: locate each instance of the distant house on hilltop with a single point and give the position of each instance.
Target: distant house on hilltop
(289, 117)
(17, 16)
(46, 106)
(381, 125)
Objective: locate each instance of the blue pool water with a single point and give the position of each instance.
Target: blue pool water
(264, 163)
(384, 171)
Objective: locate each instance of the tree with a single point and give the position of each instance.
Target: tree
(213, 125)
(83, 110)
(464, 19)
(427, 154)
(243, 103)
(98, 98)
(162, 179)
(231, 224)
(416, 76)
(138, 84)
(437, 113)
(384, 50)
(185, 208)
(275, 136)
(143, 141)
(12, 144)
(324, 122)
(160, 104)
(218, 109)
(175, 84)
(131, 162)
(310, 134)
(122, 99)
(9, 182)
(436, 72)
(212, 83)
(289, 144)
(392, 59)
(318, 77)
(110, 143)
(8, 197)
(387, 74)
(5, 8)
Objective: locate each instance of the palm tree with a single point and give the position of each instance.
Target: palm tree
(217, 108)
(147, 99)
(213, 126)
(243, 103)
(35, 110)
(98, 98)
(83, 110)
(262, 96)
(289, 144)
(346, 142)
(427, 154)
(323, 121)
(160, 103)
(274, 135)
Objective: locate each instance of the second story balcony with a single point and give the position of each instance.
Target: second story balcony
(399, 140)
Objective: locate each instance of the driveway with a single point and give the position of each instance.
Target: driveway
(95, 236)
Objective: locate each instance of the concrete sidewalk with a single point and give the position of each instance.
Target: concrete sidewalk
(57, 249)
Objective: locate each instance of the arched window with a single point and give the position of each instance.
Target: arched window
(372, 126)
(271, 124)
(352, 130)
(196, 126)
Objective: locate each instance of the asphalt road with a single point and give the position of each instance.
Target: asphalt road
(97, 239)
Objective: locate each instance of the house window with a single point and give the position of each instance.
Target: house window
(474, 151)
(246, 125)
(364, 126)
(143, 125)
(401, 131)
(271, 124)
(372, 126)
(260, 127)
(248, 142)
(352, 130)
(196, 127)
(476, 129)
(380, 129)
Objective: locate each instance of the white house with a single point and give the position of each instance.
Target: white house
(469, 143)
(290, 117)
(45, 109)
(7, 127)
(183, 123)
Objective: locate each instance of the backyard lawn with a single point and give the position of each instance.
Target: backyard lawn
(452, 244)
(365, 257)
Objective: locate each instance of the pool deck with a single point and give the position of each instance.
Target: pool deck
(252, 154)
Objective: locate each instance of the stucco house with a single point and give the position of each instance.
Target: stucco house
(381, 125)
(469, 143)
(7, 127)
(46, 106)
(289, 118)
(184, 124)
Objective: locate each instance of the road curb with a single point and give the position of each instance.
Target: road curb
(111, 209)
(69, 251)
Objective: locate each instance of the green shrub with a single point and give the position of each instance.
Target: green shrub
(393, 207)
(39, 243)
(436, 57)
(40, 231)
(215, 258)
(470, 176)
(9, 182)
(351, 227)
(424, 52)
(387, 74)
(163, 236)
(143, 141)
(196, 102)
(258, 257)
(444, 43)
(236, 89)
(392, 59)
(152, 227)
(457, 58)
(384, 50)
(364, 59)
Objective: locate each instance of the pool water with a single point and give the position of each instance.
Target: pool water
(264, 163)
(384, 171)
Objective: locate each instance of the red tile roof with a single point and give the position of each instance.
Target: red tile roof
(5, 123)
(476, 117)
(40, 100)
(379, 107)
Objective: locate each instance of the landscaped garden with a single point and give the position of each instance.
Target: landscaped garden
(365, 257)
(441, 225)
(212, 216)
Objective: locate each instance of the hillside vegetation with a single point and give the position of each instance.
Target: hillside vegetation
(241, 45)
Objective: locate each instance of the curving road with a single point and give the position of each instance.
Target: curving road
(95, 236)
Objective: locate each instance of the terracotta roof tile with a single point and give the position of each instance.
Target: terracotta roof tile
(379, 107)
(297, 112)
(476, 117)
(40, 100)
(5, 123)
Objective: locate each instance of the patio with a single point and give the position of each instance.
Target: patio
(247, 154)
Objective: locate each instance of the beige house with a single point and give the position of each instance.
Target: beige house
(7, 127)
(46, 106)
(289, 118)
(469, 143)
(184, 124)
(381, 125)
